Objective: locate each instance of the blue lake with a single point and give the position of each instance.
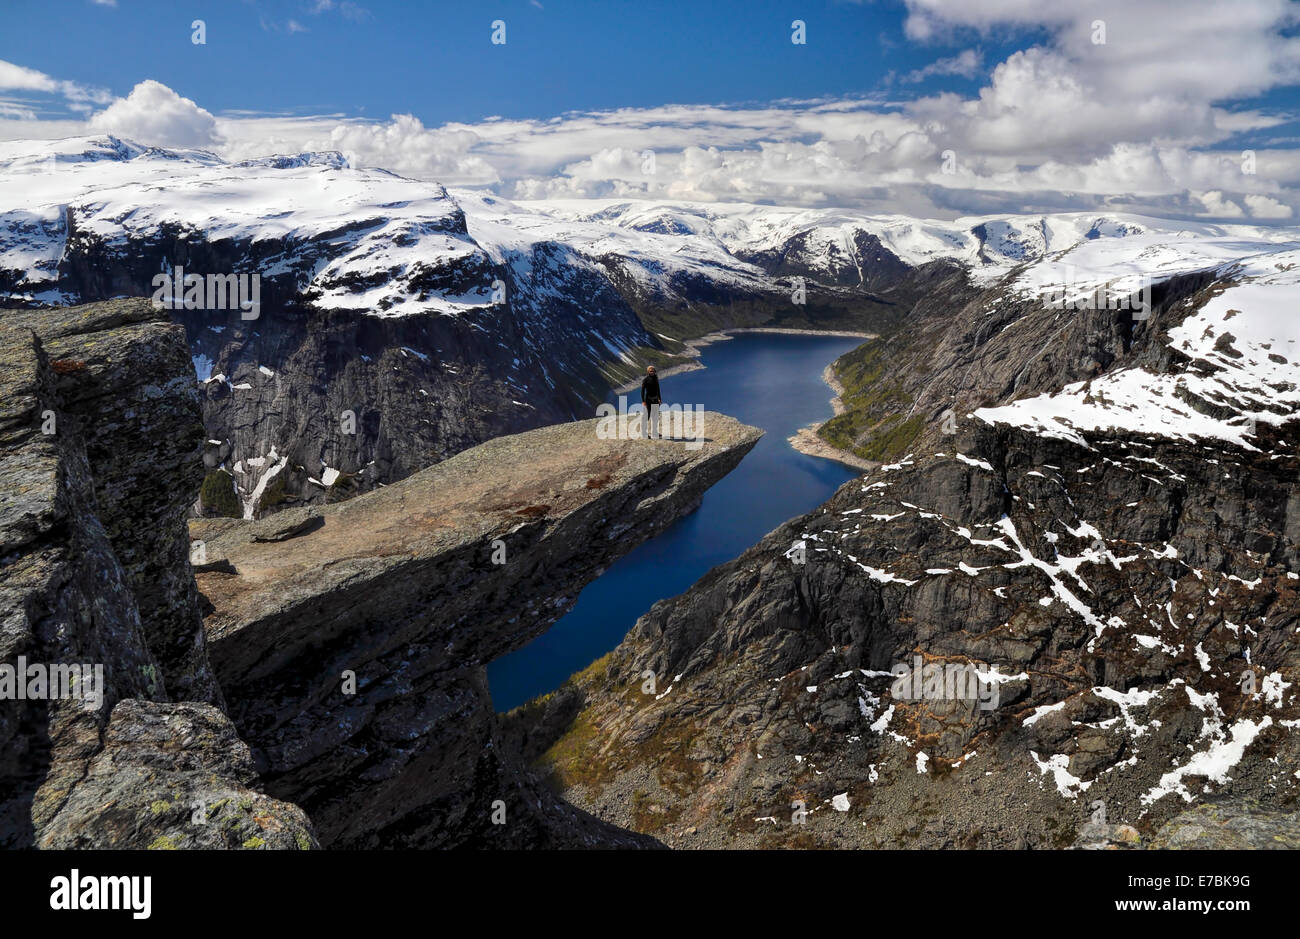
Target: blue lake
(768, 380)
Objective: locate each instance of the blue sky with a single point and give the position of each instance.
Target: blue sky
(922, 107)
(436, 61)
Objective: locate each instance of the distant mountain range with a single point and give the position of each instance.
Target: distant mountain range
(440, 318)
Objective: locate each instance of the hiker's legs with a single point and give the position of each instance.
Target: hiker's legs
(654, 421)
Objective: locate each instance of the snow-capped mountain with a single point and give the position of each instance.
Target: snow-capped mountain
(1090, 489)
(1234, 362)
(384, 245)
(990, 246)
(440, 318)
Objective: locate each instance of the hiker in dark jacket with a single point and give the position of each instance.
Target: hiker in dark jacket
(650, 401)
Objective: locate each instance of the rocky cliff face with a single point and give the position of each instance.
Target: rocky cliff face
(1101, 567)
(116, 739)
(1117, 640)
(347, 643)
(351, 641)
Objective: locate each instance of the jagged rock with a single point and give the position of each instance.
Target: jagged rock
(1230, 826)
(409, 591)
(96, 453)
(119, 372)
(173, 776)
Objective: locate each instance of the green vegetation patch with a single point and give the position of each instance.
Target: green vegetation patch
(217, 496)
(873, 425)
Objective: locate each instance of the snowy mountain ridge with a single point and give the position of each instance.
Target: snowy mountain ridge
(378, 243)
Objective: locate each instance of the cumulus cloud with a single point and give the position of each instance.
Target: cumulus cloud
(1218, 206)
(1264, 207)
(406, 146)
(1111, 105)
(154, 114)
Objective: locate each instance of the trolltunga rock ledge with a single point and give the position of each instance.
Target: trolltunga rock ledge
(413, 589)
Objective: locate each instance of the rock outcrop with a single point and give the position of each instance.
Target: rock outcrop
(116, 738)
(1230, 826)
(351, 640)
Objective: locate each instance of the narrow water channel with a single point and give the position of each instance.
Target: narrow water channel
(772, 381)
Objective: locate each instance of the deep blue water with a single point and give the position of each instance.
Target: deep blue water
(772, 381)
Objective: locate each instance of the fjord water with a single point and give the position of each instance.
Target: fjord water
(767, 380)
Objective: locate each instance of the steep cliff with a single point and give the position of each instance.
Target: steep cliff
(351, 640)
(116, 738)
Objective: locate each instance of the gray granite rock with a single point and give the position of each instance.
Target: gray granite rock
(97, 445)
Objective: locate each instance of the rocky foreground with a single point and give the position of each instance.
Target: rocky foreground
(341, 666)
(100, 435)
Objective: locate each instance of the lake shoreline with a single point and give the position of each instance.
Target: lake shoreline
(769, 381)
(808, 440)
(694, 347)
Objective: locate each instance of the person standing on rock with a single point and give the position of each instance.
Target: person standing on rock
(650, 401)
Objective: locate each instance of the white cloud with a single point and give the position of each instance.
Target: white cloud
(965, 64)
(153, 114)
(1264, 207)
(402, 144)
(1219, 207)
(75, 95)
(851, 153)
(345, 8)
(19, 77)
